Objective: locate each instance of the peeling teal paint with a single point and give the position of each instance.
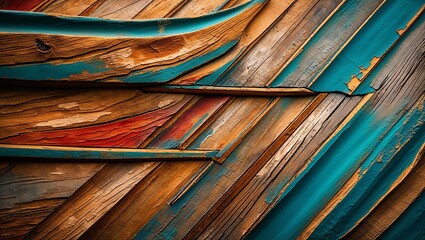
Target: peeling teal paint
(51, 71)
(373, 40)
(58, 72)
(41, 23)
(320, 43)
(379, 171)
(327, 172)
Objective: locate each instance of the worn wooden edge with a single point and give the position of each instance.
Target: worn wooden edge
(89, 153)
(232, 91)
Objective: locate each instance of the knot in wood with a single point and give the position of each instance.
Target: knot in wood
(41, 46)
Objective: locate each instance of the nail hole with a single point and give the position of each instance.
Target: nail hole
(41, 46)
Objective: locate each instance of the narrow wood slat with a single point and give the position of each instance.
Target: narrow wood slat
(88, 153)
(233, 91)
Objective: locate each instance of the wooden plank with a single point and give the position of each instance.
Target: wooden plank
(320, 48)
(89, 153)
(272, 51)
(31, 191)
(144, 201)
(165, 50)
(21, 5)
(191, 120)
(68, 7)
(393, 205)
(352, 65)
(43, 112)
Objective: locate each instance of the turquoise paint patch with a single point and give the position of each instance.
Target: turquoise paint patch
(410, 225)
(325, 174)
(373, 40)
(366, 85)
(165, 75)
(57, 72)
(50, 71)
(379, 172)
(41, 23)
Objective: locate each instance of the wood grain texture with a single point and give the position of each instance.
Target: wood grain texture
(108, 50)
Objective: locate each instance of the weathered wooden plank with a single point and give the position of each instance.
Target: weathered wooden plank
(352, 64)
(291, 152)
(393, 205)
(164, 50)
(271, 13)
(90, 153)
(232, 91)
(25, 111)
(266, 58)
(164, 8)
(318, 51)
(31, 191)
(386, 166)
(68, 7)
(229, 129)
(92, 200)
(21, 5)
(408, 225)
(360, 134)
(188, 123)
(143, 201)
(128, 132)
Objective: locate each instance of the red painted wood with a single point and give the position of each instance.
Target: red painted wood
(130, 132)
(188, 122)
(22, 5)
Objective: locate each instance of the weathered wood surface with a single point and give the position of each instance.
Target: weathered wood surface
(273, 148)
(87, 49)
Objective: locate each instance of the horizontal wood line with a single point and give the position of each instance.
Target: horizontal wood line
(91, 153)
(233, 91)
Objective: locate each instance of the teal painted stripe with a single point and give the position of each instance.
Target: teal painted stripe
(168, 74)
(308, 61)
(58, 72)
(410, 225)
(48, 152)
(367, 85)
(379, 171)
(333, 165)
(41, 23)
(373, 40)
